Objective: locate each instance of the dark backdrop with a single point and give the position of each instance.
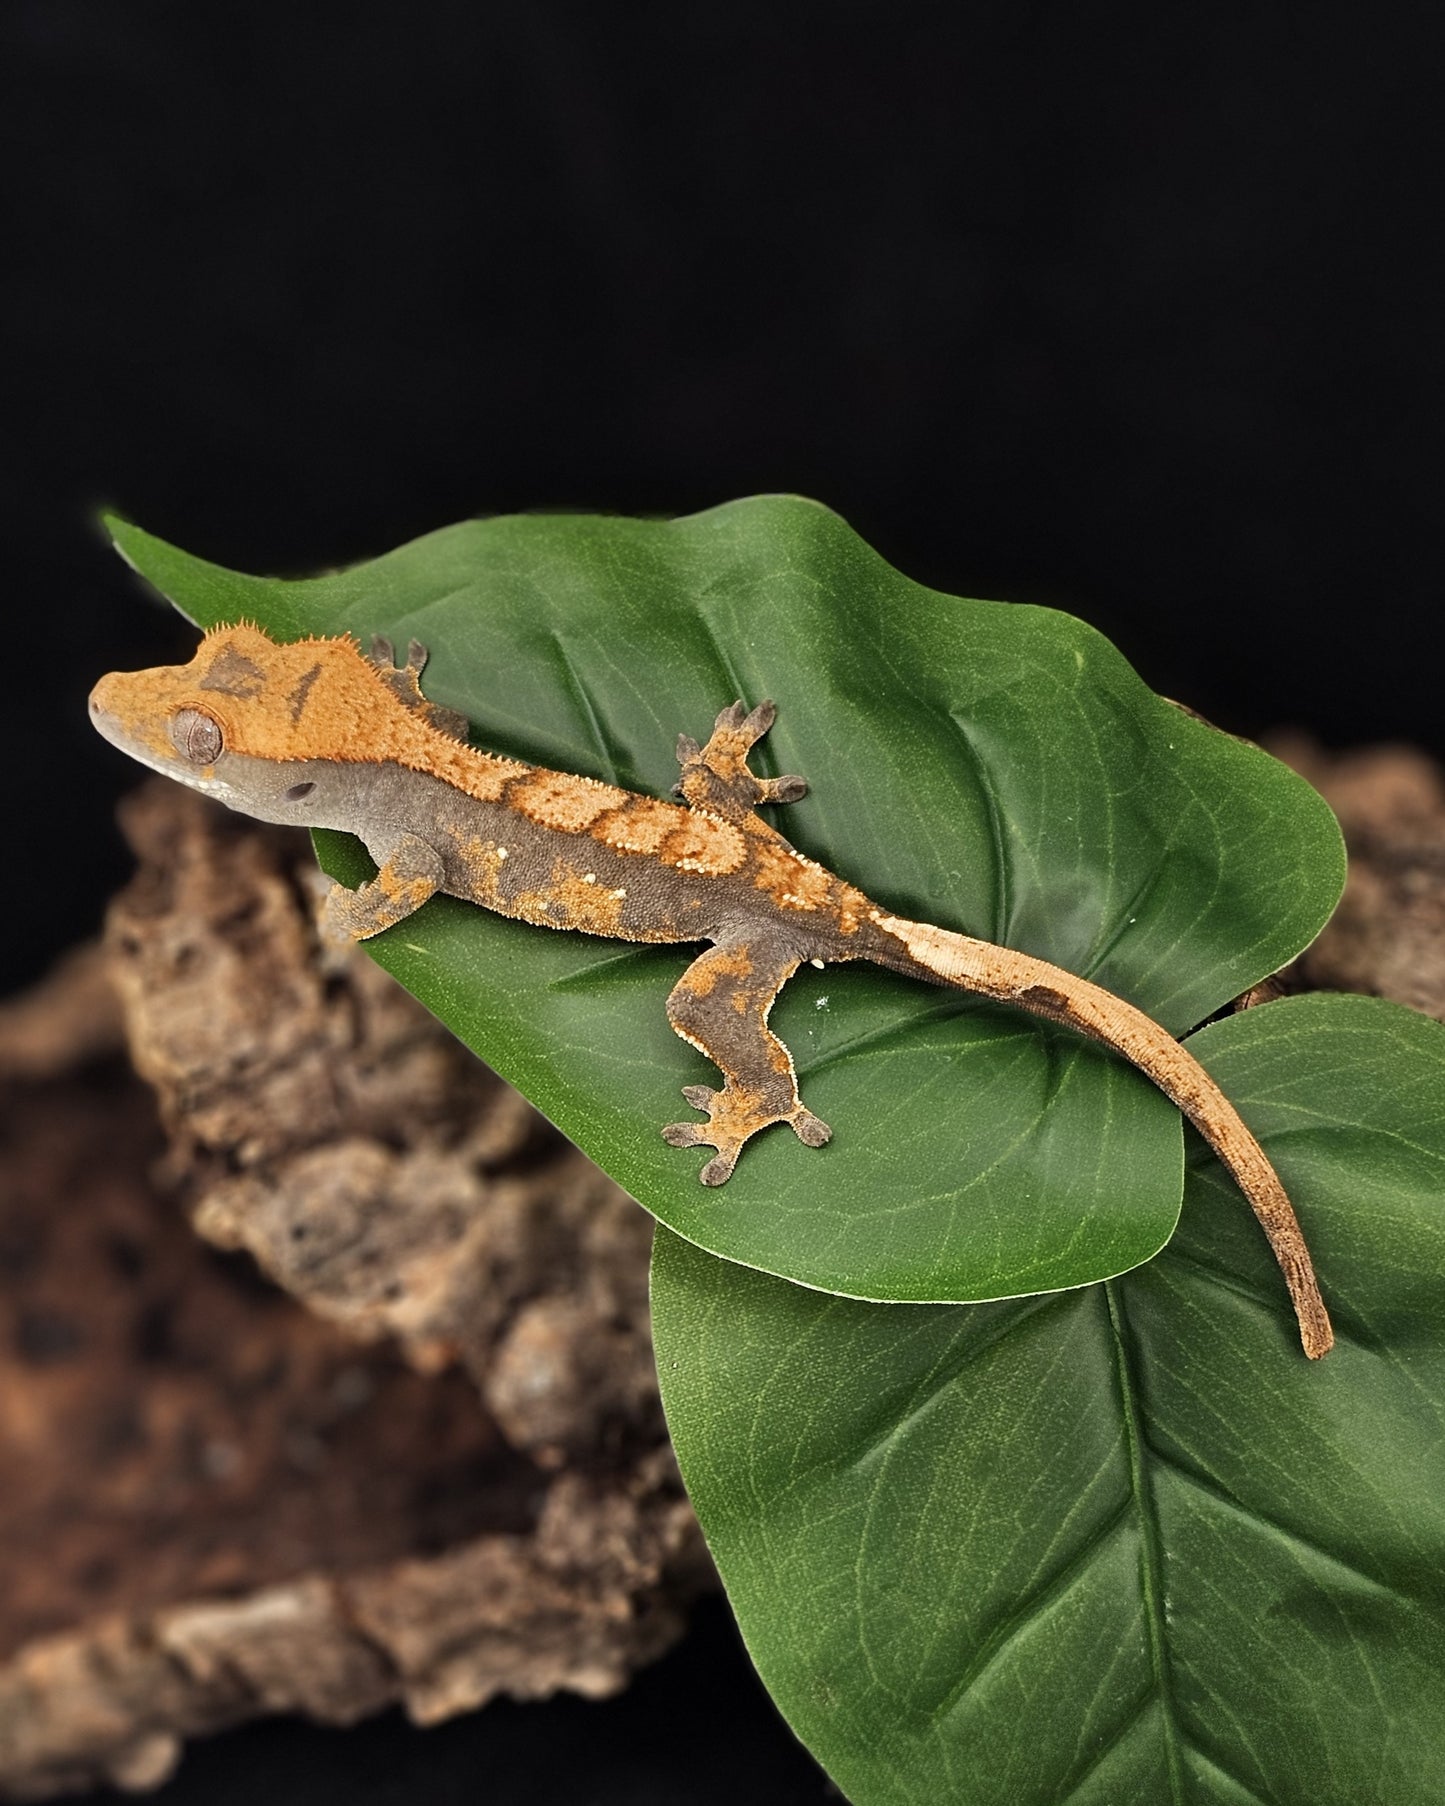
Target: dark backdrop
(1124, 308)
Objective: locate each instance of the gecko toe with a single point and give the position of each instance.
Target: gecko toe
(699, 1134)
(811, 1130)
(701, 1097)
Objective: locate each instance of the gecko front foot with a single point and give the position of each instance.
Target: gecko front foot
(716, 778)
(405, 685)
(734, 1116)
(410, 875)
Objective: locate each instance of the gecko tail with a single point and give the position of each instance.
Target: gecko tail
(941, 956)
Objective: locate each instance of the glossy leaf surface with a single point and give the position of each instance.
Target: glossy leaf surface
(1124, 1543)
(994, 768)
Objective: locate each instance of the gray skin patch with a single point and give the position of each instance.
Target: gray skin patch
(296, 701)
(233, 674)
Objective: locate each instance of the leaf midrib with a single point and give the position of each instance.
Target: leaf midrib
(1151, 1544)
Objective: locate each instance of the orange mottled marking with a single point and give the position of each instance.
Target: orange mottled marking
(485, 860)
(410, 893)
(703, 974)
(557, 799)
(792, 881)
(703, 844)
(727, 751)
(639, 825)
(572, 899)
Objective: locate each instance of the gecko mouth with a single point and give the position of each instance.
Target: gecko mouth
(110, 729)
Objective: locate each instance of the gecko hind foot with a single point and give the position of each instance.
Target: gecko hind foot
(732, 1122)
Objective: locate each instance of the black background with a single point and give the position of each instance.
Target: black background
(1122, 308)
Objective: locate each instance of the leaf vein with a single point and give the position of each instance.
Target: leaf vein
(1213, 1489)
(1007, 1631)
(1151, 1558)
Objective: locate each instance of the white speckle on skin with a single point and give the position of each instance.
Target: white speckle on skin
(589, 877)
(818, 963)
(501, 852)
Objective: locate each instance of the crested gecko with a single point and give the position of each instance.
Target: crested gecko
(319, 733)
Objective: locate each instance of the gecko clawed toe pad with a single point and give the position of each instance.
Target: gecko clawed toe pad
(811, 1130)
(734, 1117)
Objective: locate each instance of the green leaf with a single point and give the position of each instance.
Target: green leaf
(1118, 1544)
(994, 768)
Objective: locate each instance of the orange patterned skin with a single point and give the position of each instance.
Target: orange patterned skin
(320, 733)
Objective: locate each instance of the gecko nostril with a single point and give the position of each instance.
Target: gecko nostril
(297, 791)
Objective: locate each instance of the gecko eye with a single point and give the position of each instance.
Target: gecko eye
(197, 736)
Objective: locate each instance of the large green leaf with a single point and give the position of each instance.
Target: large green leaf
(1121, 1544)
(998, 769)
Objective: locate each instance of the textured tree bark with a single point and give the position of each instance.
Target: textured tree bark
(446, 1479)
(1387, 938)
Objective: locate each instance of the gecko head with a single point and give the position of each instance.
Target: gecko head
(268, 728)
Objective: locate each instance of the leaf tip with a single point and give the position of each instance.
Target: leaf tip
(119, 531)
